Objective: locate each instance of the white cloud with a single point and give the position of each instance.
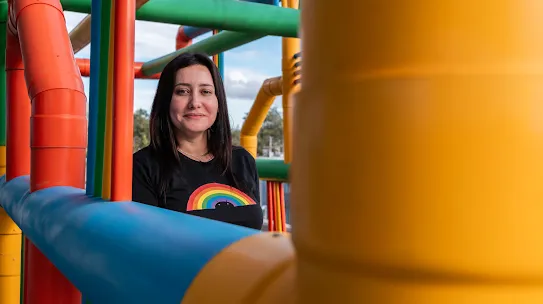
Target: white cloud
(243, 83)
(73, 19)
(144, 93)
(242, 86)
(154, 40)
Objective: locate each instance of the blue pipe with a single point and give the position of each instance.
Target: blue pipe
(122, 252)
(93, 93)
(221, 65)
(193, 32)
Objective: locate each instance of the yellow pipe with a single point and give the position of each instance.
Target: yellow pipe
(10, 260)
(432, 135)
(2, 160)
(108, 138)
(278, 209)
(264, 100)
(80, 36)
(267, 276)
(216, 56)
(290, 46)
(108, 146)
(10, 251)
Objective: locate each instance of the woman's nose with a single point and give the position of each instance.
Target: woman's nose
(195, 100)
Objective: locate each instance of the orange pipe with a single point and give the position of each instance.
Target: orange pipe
(58, 127)
(84, 68)
(282, 206)
(139, 75)
(123, 107)
(17, 115)
(58, 99)
(271, 216)
(17, 111)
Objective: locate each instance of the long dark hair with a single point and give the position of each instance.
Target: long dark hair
(163, 140)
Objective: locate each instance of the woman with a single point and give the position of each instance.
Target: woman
(190, 165)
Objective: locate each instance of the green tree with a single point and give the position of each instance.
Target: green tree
(141, 129)
(272, 128)
(236, 134)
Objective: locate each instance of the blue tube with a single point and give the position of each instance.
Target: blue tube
(193, 32)
(122, 252)
(93, 93)
(221, 65)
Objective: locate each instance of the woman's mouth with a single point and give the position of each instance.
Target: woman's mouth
(194, 115)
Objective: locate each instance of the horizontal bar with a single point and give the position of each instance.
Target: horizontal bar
(192, 32)
(122, 252)
(84, 68)
(215, 44)
(238, 16)
(272, 169)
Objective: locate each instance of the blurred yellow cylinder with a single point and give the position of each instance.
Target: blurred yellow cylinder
(264, 262)
(418, 175)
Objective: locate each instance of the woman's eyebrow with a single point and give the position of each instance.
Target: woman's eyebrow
(189, 85)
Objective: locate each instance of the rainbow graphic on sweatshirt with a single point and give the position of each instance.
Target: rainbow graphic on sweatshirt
(215, 195)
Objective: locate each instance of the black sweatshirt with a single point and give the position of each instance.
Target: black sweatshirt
(199, 188)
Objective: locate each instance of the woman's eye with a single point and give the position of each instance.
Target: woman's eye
(182, 91)
(206, 92)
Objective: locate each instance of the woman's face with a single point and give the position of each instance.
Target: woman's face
(194, 104)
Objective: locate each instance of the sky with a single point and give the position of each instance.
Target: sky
(246, 67)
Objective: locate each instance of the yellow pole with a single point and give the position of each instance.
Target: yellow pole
(2, 160)
(10, 251)
(291, 46)
(216, 56)
(277, 205)
(108, 146)
(431, 138)
(263, 102)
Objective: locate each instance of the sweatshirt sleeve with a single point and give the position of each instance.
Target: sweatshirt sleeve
(250, 172)
(142, 185)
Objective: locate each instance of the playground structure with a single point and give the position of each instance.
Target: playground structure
(107, 153)
(416, 170)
